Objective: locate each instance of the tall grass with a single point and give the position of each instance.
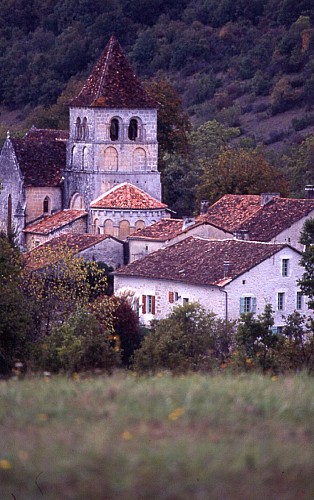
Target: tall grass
(125, 437)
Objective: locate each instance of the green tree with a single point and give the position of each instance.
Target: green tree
(239, 171)
(307, 261)
(208, 139)
(189, 339)
(15, 321)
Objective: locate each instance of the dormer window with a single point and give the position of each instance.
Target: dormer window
(133, 130)
(114, 129)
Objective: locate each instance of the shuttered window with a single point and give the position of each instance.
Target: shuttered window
(148, 304)
(247, 304)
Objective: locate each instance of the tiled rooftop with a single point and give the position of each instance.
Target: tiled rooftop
(201, 262)
(162, 230)
(44, 254)
(232, 210)
(41, 155)
(112, 83)
(127, 196)
(56, 221)
(276, 216)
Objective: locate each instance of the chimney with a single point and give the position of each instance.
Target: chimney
(227, 268)
(267, 197)
(188, 221)
(204, 207)
(309, 192)
(242, 234)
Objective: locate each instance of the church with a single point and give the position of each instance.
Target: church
(99, 177)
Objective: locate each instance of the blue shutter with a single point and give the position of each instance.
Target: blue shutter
(241, 305)
(253, 304)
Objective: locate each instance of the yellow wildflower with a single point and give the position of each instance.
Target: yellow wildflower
(42, 417)
(175, 414)
(5, 464)
(127, 436)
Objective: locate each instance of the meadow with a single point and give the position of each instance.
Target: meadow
(163, 437)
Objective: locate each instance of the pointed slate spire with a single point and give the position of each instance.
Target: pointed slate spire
(112, 83)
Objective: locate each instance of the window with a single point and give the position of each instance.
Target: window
(84, 132)
(78, 129)
(148, 304)
(247, 304)
(185, 300)
(280, 301)
(299, 300)
(114, 129)
(133, 130)
(46, 205)
(284, 267)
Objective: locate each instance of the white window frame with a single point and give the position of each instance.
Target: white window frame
(281, 301)
(285, 264)
(299, 301)
(247, 304)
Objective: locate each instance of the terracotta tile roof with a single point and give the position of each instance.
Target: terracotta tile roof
(56, 221)
(112, 83)
(201, 262)
(127, 196)
(43, 255)
(41, 155)
(231, 210)
(163, 230)
(276, 216)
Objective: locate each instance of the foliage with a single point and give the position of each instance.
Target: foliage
(15, 321)
(56, 282)
(300, 165)
(79, 344)
(307, 261)
(189, 339)
(296, 344)
(255, 341)
(239, 171)
(209, 138)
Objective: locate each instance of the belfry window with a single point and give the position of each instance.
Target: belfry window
(78, 129)
(84, 129)
(114, 129)
(133, 130)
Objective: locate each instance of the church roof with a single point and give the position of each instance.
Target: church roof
(127, 196)
(55, 221)
(112, 83)
(41, 155)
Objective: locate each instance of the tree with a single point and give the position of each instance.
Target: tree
(307, 261)
(208, 139)
(57, 282)
(189, 339)
(239, 171)
(15, 321)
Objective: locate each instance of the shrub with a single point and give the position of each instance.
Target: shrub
(189, 339)
(78, 344)
(302, 123)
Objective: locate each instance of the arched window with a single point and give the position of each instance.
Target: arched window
(46, 205)
(133, 129)
(111, 159)
(85, 131)
(77, 202)
(108, 227)
(124, 229)
(84, 158)
(114, 129)
(139, 159)
(96, 228)
(139, 224)
(78, 128)
(72, 157)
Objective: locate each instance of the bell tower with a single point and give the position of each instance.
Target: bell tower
(113, 133)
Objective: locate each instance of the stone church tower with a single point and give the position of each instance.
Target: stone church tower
(113, 134)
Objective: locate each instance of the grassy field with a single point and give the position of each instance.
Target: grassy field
(125, 437)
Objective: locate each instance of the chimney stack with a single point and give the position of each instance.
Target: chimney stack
(309, 192)
(267, 197)
(188, 221)
(242, 234)
(227, 267)
(204, 207)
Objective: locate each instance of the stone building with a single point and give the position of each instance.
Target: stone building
(111, 147)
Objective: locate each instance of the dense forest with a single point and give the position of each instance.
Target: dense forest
(245, 65)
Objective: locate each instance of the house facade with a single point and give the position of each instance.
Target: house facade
(228, 277)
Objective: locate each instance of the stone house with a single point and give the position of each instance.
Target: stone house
(227, 277)
(111, 143)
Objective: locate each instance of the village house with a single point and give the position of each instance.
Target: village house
(110, 152)
(228, 277)
(266, 217)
